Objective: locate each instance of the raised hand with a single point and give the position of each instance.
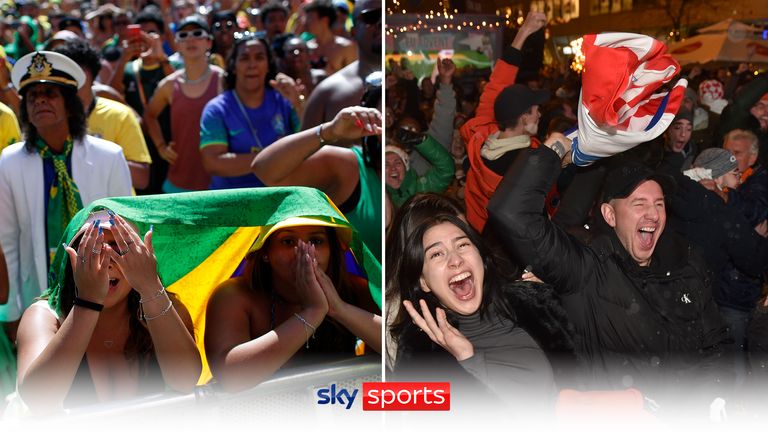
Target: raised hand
(154, 44)
(135, 258)
(90, 264)
(335, 302)
(446, 68)
(441, 332)
(287, 87)
(308, 287)
(534, 22)
(352, 123)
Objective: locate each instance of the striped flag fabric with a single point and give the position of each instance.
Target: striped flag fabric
(201, 238)
(621, 103)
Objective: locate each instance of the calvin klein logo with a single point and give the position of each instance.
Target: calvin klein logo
(685, 298)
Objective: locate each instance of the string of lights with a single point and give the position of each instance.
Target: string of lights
(446, 20)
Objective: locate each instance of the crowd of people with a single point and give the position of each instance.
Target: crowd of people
(151, 101)
(545, 284)
(524, 263)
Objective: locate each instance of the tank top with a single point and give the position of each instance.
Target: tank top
(366, 217)
(188, 171)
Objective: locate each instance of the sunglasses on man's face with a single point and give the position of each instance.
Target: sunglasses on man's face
(193, 34)
(370, 17)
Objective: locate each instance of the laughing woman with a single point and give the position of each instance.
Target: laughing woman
(498, 337)
(108, 330)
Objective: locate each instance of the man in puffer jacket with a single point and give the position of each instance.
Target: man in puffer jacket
(638, 296)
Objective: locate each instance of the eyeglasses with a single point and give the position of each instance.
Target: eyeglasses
(370, 17)
(219, 26)
(193, 34)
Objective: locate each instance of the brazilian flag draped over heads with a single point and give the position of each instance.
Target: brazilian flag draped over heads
(200, 238)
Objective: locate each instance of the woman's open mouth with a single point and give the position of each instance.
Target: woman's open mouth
(462, 285)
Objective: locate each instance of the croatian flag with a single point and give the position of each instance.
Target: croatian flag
(619, 107)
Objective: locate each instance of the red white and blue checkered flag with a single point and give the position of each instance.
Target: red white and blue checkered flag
(619, 107)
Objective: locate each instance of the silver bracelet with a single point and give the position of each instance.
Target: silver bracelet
(165, 311)
(156, 296)
(306, 324)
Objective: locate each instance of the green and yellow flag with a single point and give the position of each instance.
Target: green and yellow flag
(200, 238)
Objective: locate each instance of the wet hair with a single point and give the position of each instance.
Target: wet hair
(271, 7)
(240, 40)
(324, 8)
(83, 54)
(76, 119)
(151, 15)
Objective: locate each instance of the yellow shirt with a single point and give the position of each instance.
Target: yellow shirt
(9, 127)
(113, 121)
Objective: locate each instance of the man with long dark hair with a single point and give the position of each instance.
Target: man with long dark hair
(56, 157)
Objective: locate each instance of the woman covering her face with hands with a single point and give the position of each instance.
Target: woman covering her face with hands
(295, 303)
(462, 320)
(108, 330)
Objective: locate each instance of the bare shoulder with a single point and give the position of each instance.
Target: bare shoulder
(235, 303)
(167, 82)
(218, 70)
(39, 317)
(233, 292)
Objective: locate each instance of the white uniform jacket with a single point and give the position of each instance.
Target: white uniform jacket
(99, 170)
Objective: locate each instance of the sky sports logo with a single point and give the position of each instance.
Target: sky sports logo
(391, 396)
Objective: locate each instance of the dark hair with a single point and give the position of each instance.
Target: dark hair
(151, 15)
(512, 121)
(139, 345)
(329, 338)
(83, 54)
(223, 16)
(76, 119)
(272, 6)
(534, 308)
(279, 42)
(324, 8)
(240, 39)
(69, 21)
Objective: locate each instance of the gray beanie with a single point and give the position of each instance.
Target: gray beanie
(719, 160)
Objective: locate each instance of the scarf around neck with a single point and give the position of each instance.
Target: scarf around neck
(63, 197)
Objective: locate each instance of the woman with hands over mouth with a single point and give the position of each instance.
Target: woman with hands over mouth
(107, 330)
(501, 337)
(294, 304)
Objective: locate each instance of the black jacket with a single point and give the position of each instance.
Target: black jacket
(654, 328)
(733, 250)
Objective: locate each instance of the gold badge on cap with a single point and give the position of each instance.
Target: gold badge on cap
(40, 67)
